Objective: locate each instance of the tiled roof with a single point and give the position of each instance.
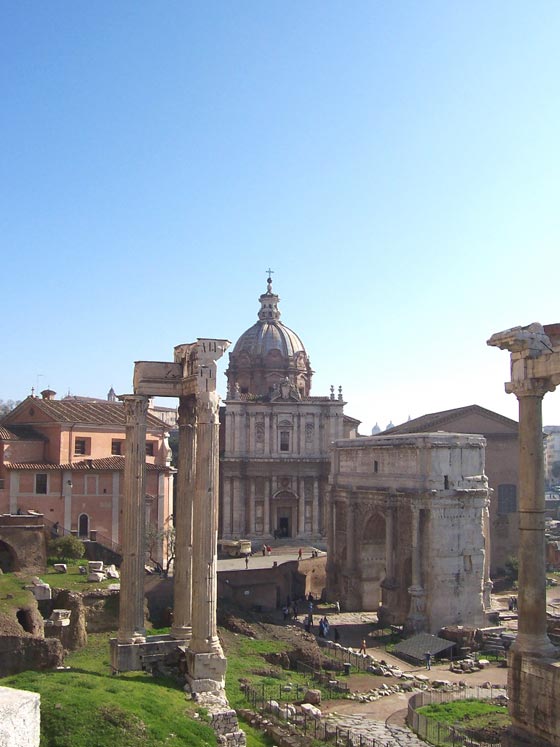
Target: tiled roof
(430, 421)
(107, 464)
(20, 433)
(86, 412)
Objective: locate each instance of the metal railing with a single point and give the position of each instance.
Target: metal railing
(260, 698)
(441, 734)
(99, 538)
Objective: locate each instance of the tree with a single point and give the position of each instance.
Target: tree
(155, 539)
(67, 548)
(7, 406)
(512, 568)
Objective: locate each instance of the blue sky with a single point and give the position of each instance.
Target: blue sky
(396, 163)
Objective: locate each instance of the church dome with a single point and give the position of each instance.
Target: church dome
(268, 354)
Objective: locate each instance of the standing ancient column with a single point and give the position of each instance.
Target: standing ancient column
(183, 520)
(131, 608)
(205, 660)
(416, 620)
(532, 637)
(389, 545)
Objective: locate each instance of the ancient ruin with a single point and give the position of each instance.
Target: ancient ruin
(534, 665)
(408, 518)
(192, 378)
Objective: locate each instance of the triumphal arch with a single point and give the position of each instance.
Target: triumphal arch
(191, 377)
(408, 529)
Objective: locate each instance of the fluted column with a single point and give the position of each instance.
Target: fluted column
(131, 608)
(532, 637)
(182, 573)
(205, 519)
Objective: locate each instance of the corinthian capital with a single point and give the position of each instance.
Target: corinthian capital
(135, 407)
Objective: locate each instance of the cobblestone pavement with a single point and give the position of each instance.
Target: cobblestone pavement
(385, 734)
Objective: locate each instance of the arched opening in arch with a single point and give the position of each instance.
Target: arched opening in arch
(83, 526)
(372, 561)
(8, 559)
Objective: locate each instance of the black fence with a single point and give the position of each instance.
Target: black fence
(272, 699)
(440, 734)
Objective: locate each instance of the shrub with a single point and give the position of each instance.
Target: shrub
(67, 548)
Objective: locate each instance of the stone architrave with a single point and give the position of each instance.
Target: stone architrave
(131, 608)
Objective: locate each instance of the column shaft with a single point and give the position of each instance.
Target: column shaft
(182, 573)
(532, 636)
(131, 608)
(205, 519)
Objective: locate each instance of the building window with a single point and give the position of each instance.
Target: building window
(116, 447)
(284, 440)
(41, 483)
(81, 446)
(507, 499)
(83, 525)
(150, 449)
(375, 465)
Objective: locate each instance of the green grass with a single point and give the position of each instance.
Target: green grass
(74, 580)
(86, 706)
(13, 595)
(468, 714)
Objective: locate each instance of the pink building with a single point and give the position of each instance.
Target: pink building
(65, 459)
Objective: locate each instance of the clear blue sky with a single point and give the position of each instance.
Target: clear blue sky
(396, 163)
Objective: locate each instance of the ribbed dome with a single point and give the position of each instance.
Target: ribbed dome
(267, 354)
(263, 337)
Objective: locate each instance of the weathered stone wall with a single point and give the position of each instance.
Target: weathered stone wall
(26, 539)
(18, 653)
(534, 695)
(19, 718)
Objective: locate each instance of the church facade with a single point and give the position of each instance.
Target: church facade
(276, 437)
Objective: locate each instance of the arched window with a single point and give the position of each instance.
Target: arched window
(83, 525)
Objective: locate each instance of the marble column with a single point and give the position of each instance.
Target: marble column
(206, 663)
(389, 545)
(532, 637)
(416, 620)
(131, 608)
(301, 510)
(182, 568)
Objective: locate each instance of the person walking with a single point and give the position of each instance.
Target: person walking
(300, 554)
(428, 659)
(246, 561)
(363, 647)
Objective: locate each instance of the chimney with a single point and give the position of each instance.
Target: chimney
(48, 394)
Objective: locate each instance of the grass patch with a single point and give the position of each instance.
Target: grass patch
(86, 706)
(13, 595)
(480, 719)
(74, 580)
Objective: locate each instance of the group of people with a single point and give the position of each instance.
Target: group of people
(512, 604)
